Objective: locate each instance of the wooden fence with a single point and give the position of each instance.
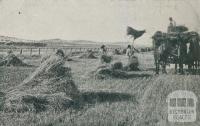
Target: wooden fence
(39, 51)
(43, 50)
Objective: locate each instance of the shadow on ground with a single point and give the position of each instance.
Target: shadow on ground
(118, 74)
(100, 97)
(133, 75)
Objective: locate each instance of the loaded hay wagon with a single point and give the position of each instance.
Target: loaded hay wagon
(178, 47)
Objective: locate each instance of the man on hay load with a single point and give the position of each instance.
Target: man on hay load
(172, 25)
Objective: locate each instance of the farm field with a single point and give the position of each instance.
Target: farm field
(137, 101)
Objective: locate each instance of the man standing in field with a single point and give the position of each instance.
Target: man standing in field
(129, 51)
(103, 50)
(104, 57)
(132, 60)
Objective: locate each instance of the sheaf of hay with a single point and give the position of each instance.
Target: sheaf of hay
(49, 87)
(117, 52)
(117, 66)
(88, 55)
(124, 51)
(105, 59)
(105, 72)
(133, 64)
(12, 60)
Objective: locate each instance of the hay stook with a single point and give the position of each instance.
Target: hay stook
(49, 87)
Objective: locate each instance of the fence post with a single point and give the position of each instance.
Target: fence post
(65, 50)
(31, 52)
(39, 51)
(20, 51)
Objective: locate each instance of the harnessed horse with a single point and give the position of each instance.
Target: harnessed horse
(172, 48)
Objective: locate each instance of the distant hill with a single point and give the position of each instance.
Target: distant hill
(7, 41)
(13, 42)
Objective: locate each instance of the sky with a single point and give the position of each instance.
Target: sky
(96, 20)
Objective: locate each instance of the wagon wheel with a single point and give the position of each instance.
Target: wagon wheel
(156, 57)
(156, 61)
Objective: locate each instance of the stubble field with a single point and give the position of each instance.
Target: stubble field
(137, 101)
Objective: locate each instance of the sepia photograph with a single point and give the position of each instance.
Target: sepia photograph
(99, 62)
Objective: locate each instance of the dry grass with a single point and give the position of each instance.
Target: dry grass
(139, 100)
(50, 86)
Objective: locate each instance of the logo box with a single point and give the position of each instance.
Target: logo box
(181, 106)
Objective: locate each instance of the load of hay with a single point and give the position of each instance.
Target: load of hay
(12, 60)
(88, 55)
(179, 33)
(179, 29)
(50, 87)
(133, 64)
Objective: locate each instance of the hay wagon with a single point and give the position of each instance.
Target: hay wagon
(177, 48)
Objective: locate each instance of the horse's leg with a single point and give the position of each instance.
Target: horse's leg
(156, 61)
(193, 67)
(175, 68)
(164, 68)
(157, 66)
(196, 66)
(181, 68)
(176, 65)
(181, 65)
(190, 67)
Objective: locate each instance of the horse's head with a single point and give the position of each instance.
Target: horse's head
(193, 37)
(158, 38)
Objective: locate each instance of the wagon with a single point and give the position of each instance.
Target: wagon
(176, 48)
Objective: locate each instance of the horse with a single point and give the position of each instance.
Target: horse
(163, 48)
(193, 55)
(175, 46)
